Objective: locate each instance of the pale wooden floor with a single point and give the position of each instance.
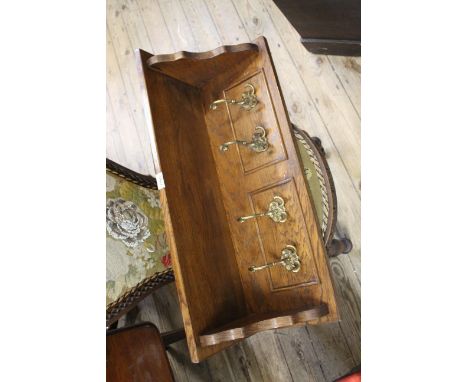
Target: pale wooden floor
(322, 94)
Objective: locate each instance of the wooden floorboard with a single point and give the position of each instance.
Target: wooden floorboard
(348, 70)
(322, 95)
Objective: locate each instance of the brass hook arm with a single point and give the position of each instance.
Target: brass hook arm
(276, 211)
(214, 105)
(244, 218)
(248, 99)
(289, 259)
(224, 146)
(258, 144)
(254, 268)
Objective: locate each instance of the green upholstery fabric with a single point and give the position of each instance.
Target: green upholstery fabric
(312, 180)
(136, 245)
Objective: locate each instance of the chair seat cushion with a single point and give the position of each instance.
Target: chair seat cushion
(136, 245)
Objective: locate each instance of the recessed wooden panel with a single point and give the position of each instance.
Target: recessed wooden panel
(244, 122)
(276, 236)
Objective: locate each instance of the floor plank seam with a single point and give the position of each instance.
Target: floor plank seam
(344, 88)
(128, 91)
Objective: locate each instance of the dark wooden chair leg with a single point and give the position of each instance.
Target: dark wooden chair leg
(172, 336)
(318, 143)
(339, 246)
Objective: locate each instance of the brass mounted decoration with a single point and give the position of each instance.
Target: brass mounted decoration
(258, 144)
(289, 259)
(276, 211)
(248, 99)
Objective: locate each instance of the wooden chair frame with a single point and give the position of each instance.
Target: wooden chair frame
(333, 246)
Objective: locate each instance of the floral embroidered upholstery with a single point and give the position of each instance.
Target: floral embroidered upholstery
(136, 244)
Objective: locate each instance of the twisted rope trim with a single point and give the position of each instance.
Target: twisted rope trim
(322, 183)
(146, 181)
(130, 298)
(138, 182)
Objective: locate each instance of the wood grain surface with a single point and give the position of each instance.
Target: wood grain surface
(322, 96)
(194, 213)
(205, 189)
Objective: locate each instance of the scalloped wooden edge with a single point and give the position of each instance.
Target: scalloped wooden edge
(270, 323)
(161, 58)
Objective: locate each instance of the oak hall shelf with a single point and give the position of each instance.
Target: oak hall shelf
(242, 264)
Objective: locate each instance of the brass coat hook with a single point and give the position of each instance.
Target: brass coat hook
(258, 144)
(248, 99)
(289, 259)
(276, 212)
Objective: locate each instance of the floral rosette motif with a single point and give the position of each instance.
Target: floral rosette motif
(126, 222)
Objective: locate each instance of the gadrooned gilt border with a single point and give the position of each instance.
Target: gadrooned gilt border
(316, 153)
